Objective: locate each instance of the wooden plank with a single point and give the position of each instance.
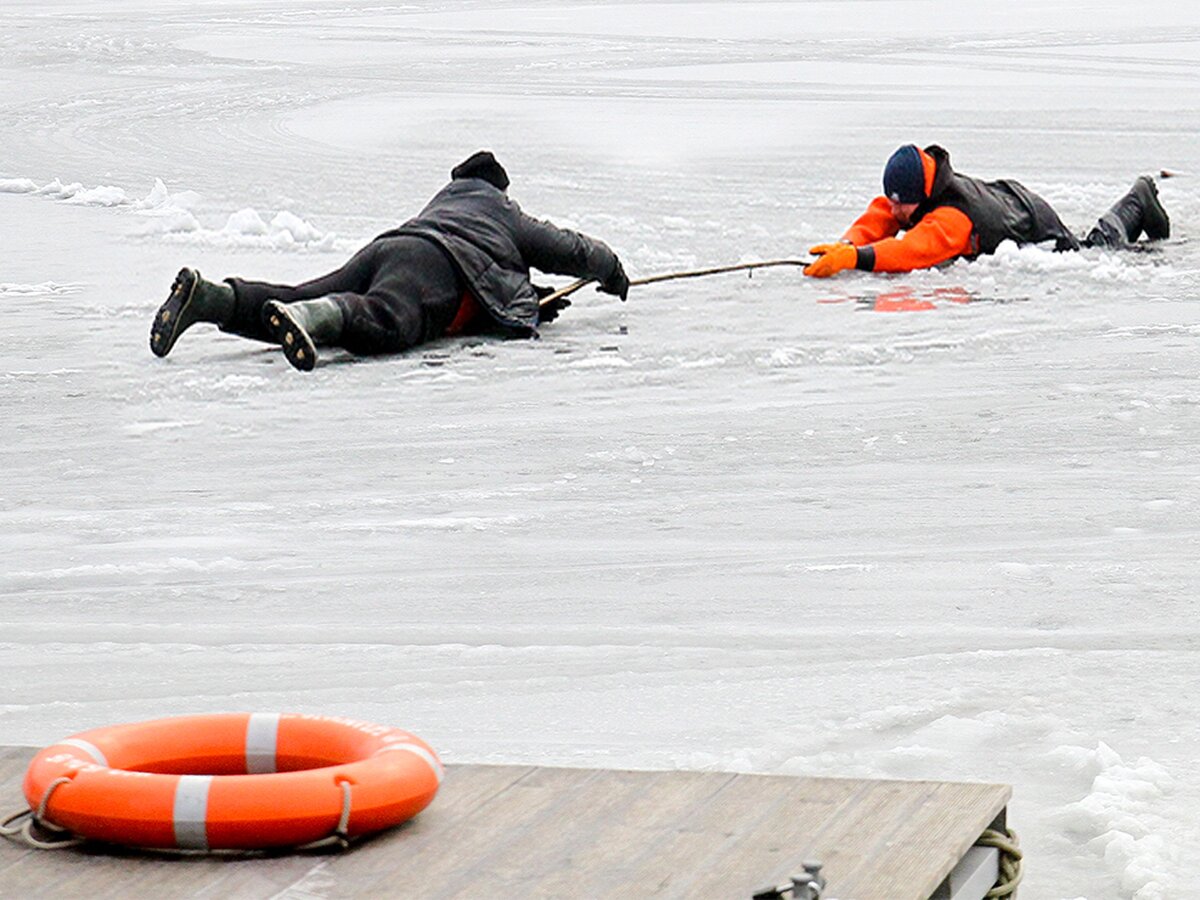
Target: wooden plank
(698, 855)
(888, 840)
(595, 853)
(248, 878)
(697, 852)
(109, 873)
(871, 818)
(471, 846)
(609, 815)
(775, 846)
(943, 820)
(400, 856)
(538, 832)
(13, 763)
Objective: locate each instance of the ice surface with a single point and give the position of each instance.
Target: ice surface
(942, 525)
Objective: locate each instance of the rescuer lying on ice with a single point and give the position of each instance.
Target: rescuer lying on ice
(944, 215)
(462, 265)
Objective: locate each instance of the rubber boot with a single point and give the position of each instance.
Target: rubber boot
(1138, 211)
(192, 300)
(1155, 221)
(302, 327)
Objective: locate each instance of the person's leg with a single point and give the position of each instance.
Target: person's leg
(236, 305)
(251, 296)
(1047, 225)
(1137, 212)
(413, 297)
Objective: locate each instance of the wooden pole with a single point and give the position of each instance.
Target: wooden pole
(672, 276)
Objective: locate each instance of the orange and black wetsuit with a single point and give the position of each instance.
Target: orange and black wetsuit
(960, 216)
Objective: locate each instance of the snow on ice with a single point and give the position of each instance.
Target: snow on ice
(941, 525)
(172, 218)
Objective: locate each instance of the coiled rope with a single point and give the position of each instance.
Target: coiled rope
(1011, 868)
(22, 824)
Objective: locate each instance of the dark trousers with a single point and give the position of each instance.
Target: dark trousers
(1117, 229)
(1135, 214)
(394, 293)
(1108, 233)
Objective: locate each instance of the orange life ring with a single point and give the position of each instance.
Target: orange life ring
(232, 781)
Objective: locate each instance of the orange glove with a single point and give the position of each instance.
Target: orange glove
(832, 258)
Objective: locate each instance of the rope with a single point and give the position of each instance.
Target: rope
(8, 831)
(1011, 868)
(672, 276)
(40, 815)
(339, 837)
(38, 819)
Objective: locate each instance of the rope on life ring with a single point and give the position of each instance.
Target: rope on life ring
(37, 819)
(339, 838)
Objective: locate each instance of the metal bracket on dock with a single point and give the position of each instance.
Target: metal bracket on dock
(808, 886)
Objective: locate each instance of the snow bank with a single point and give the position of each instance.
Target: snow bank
(246, 227)
(1119, 819)
(1095, 265)
(17, 186)
(172, 217)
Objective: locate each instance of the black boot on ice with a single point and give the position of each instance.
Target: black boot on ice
(192, 300)
(302, 327)
(1138, 211)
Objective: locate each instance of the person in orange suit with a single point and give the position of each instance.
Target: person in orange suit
(929, 214)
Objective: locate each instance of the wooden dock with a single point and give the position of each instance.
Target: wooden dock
(525, 832)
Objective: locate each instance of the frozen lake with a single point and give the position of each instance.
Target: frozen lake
(942, 525)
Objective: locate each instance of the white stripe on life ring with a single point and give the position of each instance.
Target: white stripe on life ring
(191, 812)
(262, 733)
(89, 748)
(419, 751)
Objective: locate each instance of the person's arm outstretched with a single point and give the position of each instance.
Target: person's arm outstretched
(939, 237)
(561, 251)
(874, 243)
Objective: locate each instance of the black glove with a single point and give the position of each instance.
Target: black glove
(617, 283)
(549, 312)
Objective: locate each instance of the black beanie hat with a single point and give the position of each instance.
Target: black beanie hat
(904, 176)
(484, 166)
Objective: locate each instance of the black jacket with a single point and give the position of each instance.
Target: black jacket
(999, 210)
(493, 245)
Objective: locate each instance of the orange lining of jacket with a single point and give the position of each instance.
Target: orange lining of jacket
(930, 167)
(468, 310)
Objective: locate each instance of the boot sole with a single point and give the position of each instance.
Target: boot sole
(167, 328)
(296, 344)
